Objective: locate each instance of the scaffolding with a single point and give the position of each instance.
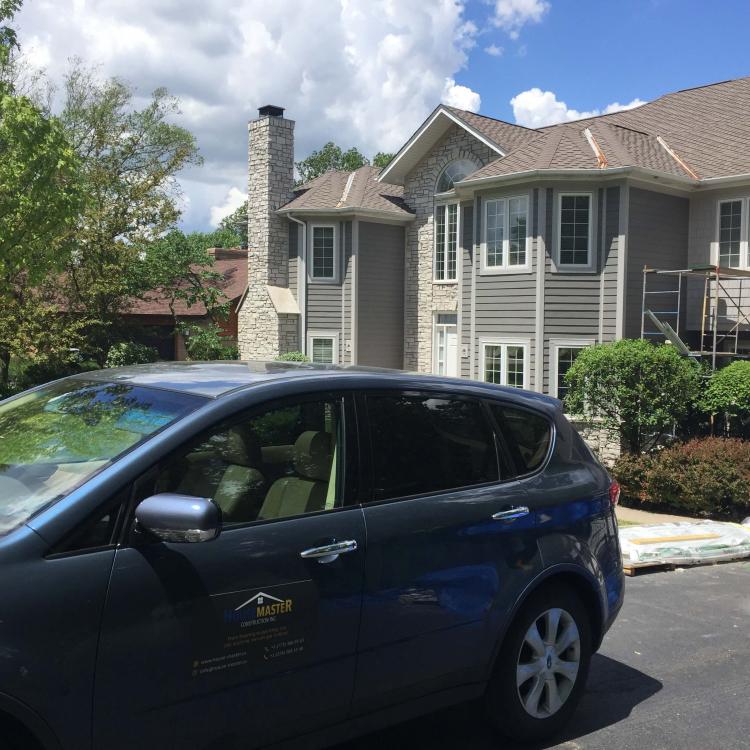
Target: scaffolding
(717, 330)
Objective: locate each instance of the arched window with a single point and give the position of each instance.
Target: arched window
(454, 172)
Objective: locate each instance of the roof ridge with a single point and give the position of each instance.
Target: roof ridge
(494, 119)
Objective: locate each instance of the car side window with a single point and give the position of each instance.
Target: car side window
(423, 443)
(527, 436)
(279, 462)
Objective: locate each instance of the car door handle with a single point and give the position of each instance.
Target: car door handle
(511, 514)
(329, 552)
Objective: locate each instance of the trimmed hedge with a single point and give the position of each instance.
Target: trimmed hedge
(292, 357)
(707, 477)
(130, 353)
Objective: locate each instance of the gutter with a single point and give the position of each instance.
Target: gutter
(301, 284)
(352, 211)
(592, 173)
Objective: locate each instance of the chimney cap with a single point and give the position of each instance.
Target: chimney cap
(270, 110)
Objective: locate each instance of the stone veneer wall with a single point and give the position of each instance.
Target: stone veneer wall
(423, 296)
(598, 439)
(262, 333)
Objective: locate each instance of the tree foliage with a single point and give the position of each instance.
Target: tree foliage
(639, 390)
(129, 158)
(205, 343)
(728, 395)
(178, 268)
(382, 159)
(236, 224)
(329, 157)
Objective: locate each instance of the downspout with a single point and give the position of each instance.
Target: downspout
(302, 285)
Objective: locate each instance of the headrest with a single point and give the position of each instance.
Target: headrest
(312, 455)
(240, 447)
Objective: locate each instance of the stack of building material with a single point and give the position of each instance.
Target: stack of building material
(685, 543)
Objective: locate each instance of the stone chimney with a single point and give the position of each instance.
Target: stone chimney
(263, 332)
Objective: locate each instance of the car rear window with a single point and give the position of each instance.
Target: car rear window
(54, 439)
(527, 436)
(422, 443)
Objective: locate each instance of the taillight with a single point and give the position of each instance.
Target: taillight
(614, 493)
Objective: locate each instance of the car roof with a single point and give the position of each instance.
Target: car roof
(214, 379)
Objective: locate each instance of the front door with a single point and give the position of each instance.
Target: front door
(438, 563)
(446, 344)
(244, 640)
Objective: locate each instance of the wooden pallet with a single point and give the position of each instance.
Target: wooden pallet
(652, 566)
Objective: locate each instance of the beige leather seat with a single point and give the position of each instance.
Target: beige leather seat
(240, 483)
(306, 492)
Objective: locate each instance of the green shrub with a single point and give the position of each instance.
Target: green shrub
(53, 368)
(292, 357)
(728, 396)
(130, 353)
(639, 390)
(704, 477)
(206, 343)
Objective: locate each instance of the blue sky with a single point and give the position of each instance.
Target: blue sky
(366, 73)
(593, 52)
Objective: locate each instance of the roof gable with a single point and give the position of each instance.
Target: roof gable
(499, 136)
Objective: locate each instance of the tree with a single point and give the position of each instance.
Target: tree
(381, 159)
(329, 157)
(8, 38)
(129, 158)
(39, 201)
(639, 390)
(728, 394)
(178, 268)
(236, 222)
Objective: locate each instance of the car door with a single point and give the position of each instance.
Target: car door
(448, 542)
(249, 638)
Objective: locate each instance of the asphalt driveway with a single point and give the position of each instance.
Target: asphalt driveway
(672, 674)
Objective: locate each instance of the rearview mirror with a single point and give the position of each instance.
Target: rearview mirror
(179, 518)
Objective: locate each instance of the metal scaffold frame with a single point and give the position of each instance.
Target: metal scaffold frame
(715, 289)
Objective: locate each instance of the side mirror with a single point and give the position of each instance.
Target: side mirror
(179, 518)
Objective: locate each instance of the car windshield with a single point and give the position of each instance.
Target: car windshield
(55, 438)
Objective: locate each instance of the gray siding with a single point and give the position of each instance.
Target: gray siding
(572, 300)
(657, 236)
(380, 295)
(703, 250)
(325, 300)
(611, 219)
(505, 303)
(467, 259)
(293, 257)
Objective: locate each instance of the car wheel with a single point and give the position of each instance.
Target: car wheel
(542, 667)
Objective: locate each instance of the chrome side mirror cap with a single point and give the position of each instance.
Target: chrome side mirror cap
(179, 518)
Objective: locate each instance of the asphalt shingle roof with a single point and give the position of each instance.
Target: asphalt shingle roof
(333, 190)
(707, 127)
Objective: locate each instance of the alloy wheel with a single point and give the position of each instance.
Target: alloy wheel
(548, 663)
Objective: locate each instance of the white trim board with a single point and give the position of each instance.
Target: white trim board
(561, 343)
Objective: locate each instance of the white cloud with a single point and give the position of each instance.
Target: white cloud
(494, 51)
(455, 95)
(535, 108)
(513, 15)
(233, 200)
(362, 72)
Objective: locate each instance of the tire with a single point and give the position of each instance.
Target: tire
(552, 671)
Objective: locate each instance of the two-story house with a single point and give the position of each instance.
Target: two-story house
(493, 251)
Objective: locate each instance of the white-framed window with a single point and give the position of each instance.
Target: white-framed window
(446, 242)
(445, 344)
(732, 233)
(323, 347)
(563, 353)
(505, 362)
(575, 222)
(505, 234)
(323, 252)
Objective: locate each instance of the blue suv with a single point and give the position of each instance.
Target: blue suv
(241, 555)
